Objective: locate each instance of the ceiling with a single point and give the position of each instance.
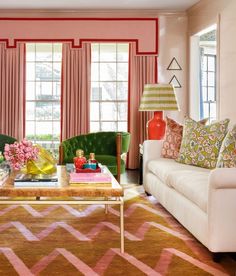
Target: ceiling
(176, 5)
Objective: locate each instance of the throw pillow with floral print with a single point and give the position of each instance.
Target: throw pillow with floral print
(173, 138)
(227, 156)
(201, 144)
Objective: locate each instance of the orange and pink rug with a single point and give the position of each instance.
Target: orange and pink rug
(80, 240)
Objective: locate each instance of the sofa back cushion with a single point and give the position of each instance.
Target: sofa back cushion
(227, 155)
(201, 144)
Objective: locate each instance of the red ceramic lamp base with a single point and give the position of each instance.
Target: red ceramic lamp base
(156, 127)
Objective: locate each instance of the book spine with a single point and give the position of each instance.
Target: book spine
(35, 184)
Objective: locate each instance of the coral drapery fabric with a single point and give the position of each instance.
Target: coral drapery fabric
(12, 90)
(142, 70)
(75, 98)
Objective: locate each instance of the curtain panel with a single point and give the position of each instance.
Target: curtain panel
(75, 96)
(12, 90)
(142, 70)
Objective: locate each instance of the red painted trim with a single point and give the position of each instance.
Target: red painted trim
(77, 19)
(62, 83)
(15, 41)
(24, 93)
(129, 100)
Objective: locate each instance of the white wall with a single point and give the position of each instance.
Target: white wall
(223, 12)
(173, 43)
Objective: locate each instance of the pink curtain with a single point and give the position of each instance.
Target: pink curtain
(76, 71)
(142, 70)
(12, 91)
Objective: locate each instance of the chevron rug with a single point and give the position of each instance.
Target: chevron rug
(80, 240)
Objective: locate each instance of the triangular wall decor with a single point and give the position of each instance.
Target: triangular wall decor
(174, 65)
(174, 81)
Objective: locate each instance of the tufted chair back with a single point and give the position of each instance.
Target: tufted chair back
(5, 139)
(103, 144)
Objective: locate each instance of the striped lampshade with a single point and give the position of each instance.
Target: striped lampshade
(158, 97)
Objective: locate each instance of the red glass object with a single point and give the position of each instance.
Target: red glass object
(156, 127)
(79, 161)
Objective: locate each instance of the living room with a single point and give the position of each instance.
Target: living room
(76, 70)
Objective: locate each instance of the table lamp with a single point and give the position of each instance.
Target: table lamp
(157, 98)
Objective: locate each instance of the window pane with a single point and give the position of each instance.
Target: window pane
(94, 71)
(30, 71)
(122, 71)
(95, 91)
(94, 126)
(122, 90)
(123, 52)
(57, 52)
(43, 111)
(30, 52)
(211, 94)
(204, 94)
(213, 110)
(206, 110)
(109, 126)
(122, 111)
(30, 90)
(29, 127)
(107, 71)
(108, 111)
(107, 52)
(44, 71)
(41, 126)
(56, 130)
(30, 107)
(204, 63)
(211, 63)
(204, 79)
(44, 91)
(43, 52)
(94, 52)
(94, 116)
(122, 126)
(57, 71)
(211, 79)
(108, 91)
(56, 91)
(56, 111)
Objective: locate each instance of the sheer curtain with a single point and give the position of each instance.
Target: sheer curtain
(12, 90)
(142, 70)
(75, 98)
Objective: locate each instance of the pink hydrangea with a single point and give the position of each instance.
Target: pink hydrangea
(19, 153)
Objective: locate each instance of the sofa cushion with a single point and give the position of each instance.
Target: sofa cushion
(191, 184)
(201, 144)
(227, 155)
(162, 167)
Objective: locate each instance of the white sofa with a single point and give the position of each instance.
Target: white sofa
(202, 200)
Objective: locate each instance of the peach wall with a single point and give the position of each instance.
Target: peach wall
(144, 31)
(173, 43)
(202, 15)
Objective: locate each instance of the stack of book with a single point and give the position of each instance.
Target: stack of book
(95, 179)
(37, 180)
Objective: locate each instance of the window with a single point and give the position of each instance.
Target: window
(209, 86)
(109, 87)
(43, 92)
(208, 75)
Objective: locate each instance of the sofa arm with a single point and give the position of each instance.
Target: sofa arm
(221, 210)
(151, 151)
(223, 178)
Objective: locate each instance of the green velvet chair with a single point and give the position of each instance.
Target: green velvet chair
(5, 139)
(103, 144)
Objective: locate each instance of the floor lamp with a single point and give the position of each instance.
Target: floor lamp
(157, 98)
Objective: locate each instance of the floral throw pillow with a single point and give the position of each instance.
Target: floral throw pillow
(173, 138)
(201, 144)
(227, 156)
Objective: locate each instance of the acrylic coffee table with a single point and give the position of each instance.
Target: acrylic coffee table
(81, 195)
